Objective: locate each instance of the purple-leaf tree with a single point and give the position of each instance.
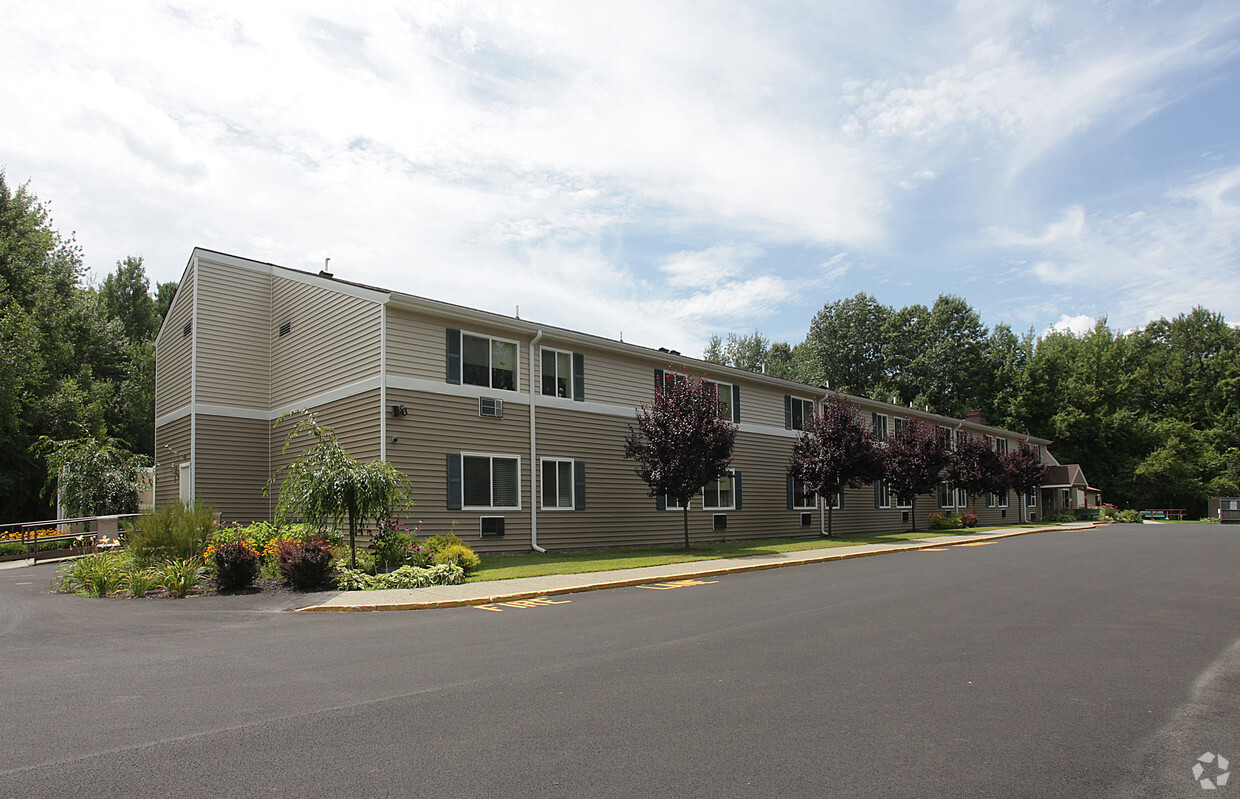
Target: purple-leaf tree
(836, 449)
(1023, 471)
(975, 466)
(916, 457)
(682, 441)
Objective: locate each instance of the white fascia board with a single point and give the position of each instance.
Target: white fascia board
(329, 284)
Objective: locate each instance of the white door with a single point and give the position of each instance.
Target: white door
(185, 482)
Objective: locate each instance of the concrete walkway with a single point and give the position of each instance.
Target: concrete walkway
(527, 588)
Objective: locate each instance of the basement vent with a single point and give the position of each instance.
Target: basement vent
(806, 519)
(904, 516)
(491, 407)
(285, 329)
(721, 521)
(1033, 517)
(491, 526)
(185, 331)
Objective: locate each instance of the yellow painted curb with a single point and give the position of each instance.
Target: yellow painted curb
(715, 572)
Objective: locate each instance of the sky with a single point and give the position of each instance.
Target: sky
(659, 171)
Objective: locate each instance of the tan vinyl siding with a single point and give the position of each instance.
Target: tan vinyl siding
(234, 334)
(618, 381)
(170, 439)
(334, 341)
(438, 425)
(416, 347)
(355, 421)
(231, 466)
(174, 351)
(765, 406)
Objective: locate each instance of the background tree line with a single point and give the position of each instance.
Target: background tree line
(1152, 415)
(77, 362)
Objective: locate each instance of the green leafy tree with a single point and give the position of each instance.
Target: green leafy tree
(835, 449)
(848, 345)
(94, 476)
(164, 293)
(325, 485)
(681, 441)
(125, 296)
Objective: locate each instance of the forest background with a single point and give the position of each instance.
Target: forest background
(1152, 414)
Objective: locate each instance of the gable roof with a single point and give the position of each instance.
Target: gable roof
(1065, 476)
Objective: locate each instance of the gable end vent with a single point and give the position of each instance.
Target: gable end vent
(285, 329)
(185, 331)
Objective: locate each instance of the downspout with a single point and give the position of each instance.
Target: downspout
(534, 453)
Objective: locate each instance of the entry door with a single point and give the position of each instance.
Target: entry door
(185, 482)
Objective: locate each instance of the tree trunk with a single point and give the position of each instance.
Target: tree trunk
(352, 542)
(686, 511)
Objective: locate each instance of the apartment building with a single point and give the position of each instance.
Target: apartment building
(511, 431)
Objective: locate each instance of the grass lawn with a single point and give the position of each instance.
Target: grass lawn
(507, 567)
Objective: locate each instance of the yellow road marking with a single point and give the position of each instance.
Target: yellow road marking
(536, 602)
(976, 544)
(677, 584)
(934, 549)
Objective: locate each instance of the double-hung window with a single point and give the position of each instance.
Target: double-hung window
(728, 394)
(800, 497)
(720, 494)
(945, 495)
(486, 482)
(563, 374)
(882, 494)
(797, 412)
(563, 484)
(478, 360)
(880, 425)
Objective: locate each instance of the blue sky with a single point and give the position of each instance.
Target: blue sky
(658, 169)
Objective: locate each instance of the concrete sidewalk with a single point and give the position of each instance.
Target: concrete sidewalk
(485, 593)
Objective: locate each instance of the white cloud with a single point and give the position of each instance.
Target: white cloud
(1079, 324)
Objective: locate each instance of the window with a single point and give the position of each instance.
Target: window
(729, 400)
(490, 481)
(799, 496)
(563, 374)
(1031, 499)
(945, 495)
(882, 494)
(724, 493)
(563, 484)
(1001, 446)
(671, 503)
(797, 412)
(488, 362)
(902, 504)
(880, 425)
(837, 501)
(1001, 499)
(900, 426)
(962, 498)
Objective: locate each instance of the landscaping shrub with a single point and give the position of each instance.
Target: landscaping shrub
(392, 548)
(12, 548)
(100, 574)
(179, 576)
(141, 581)
(307, 565)
(945, 521)
(1109, 511)
(1060, 518)
(174, 532)
(404, 577)
(1129, 516)
(236, 564)
(458, 554)
(968, 519)
(436, 543)
(1208, 520)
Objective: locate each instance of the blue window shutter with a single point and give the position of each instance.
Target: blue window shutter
(658, 379)
(454, 356)
(454, 481)
(736, 403)
(579, 485)
(736, 488)
(788, 414)
(579, 377)
(660, 501)
(791, 499)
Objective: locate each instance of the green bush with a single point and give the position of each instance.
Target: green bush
(1208, 520)
(392, 549)
(945, 521)
(437, 543)
(968, 519)
(174, 532)
(1060, 518)
(404, 577)
(139, 582)
(458, 554)
(1129, 516)
(100, 574)
(12, 548)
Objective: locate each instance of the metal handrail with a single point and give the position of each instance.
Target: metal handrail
(30, 538)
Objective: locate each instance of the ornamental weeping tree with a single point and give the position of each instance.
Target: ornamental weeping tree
(836, 449)
(916, 456)
(1023, 471)
(682, 440)
(94, 476)
(326, 485)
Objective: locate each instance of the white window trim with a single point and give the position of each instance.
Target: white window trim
(731, 475)
(491, 456)
(571, 388)
(516, 369)
(886, 489)
(1031, 498)
(719, 384)
(572, 485)
(883, 432)
(812, 496)
(813, 408)
(835, 503)
(1004, 498)
(896, 500)
(667, 504)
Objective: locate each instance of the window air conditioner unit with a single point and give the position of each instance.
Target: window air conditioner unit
(721, 521)
(491, 407)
